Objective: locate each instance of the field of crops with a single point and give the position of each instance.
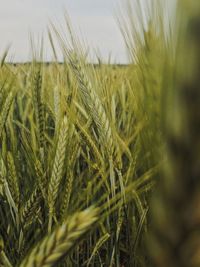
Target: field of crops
(100, 163)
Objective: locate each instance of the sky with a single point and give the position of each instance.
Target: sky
(94, 20)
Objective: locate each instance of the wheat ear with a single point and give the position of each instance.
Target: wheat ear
(57, 169)
(58, 244)
(93, 104)
(39, 109)
(31, 208)
(12, 178)
(5, 111)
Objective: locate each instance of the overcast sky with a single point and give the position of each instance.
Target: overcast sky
(95, 19)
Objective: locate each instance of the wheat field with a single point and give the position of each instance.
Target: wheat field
(100, 163)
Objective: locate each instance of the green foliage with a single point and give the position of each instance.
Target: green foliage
(64, 148)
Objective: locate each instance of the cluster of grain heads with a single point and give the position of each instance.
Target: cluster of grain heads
(176, 221)
(55, 246)
(96, 110)
(78, 135)
(106, 136)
